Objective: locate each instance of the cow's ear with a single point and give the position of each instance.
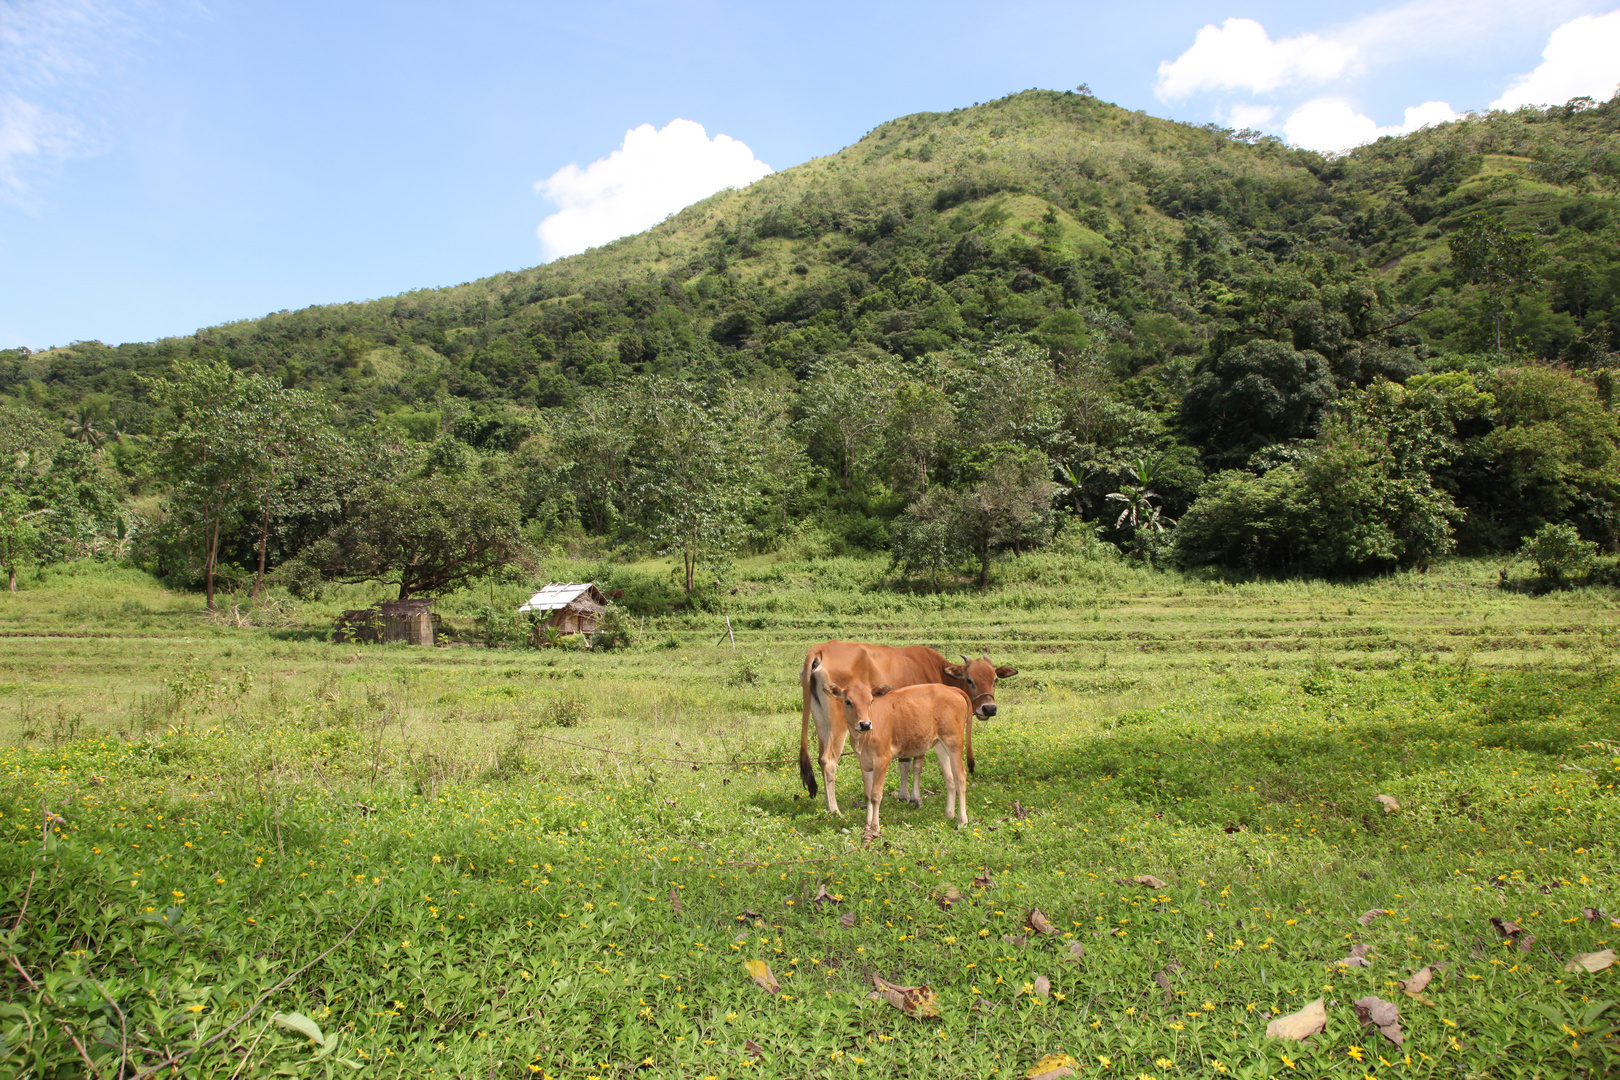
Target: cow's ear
(834, 689)
(879, 691)
(1005, 672)
(956, 671)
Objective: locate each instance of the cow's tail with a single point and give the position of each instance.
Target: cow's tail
(807, 680)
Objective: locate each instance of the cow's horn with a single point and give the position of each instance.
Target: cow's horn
(965, 660)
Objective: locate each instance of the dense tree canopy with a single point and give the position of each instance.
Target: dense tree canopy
(1338, 365)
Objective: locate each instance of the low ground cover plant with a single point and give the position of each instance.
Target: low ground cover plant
(311, 859)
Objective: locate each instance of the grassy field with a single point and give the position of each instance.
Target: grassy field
(434, 858)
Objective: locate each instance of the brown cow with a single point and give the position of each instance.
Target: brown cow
(848, 662)
(907, 724)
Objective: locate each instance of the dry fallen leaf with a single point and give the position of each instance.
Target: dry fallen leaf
(1234, 827)
(911, 1000)
(1141, 879)
(760, 971)
(1383, 1015)
(1020, 811)
(1366, 917)
(1505, 927)
(950, 896)
(847, 919)
(1357, 957)
(1051, 1067)
(753, 1048)
(1526, 941)
(824, 897)
(1415, 985)
(983, 881)
(1592, 914)
(675, 901)
(1300, 1025)
(1043, 987)
(1590, 961)
(1164, 984)
(1039, 923)
(1077, 951)
(1016, 940)
(1389, 804)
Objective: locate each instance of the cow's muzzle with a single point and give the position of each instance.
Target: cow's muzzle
(864, 725)
(987, 710)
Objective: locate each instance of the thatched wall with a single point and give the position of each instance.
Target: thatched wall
(410, 621)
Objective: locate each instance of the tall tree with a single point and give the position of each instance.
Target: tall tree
(428, 534)
(704, 465)
(234, 444)
(19, 533)
(1011, 507)
(919, 421)
(1501, 262)
(844, 411)
(288, 441)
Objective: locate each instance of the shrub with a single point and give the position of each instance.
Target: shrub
(1346, 505)
(566, 712)
(500, 627)
(613, 632)
(1558, 552)
(747, 673)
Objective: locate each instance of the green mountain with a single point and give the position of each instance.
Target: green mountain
(946, 228)
(1150, 262)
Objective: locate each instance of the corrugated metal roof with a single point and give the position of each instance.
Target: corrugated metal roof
(553, 597)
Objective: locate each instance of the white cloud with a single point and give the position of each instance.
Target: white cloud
(29, 133)
(1240, 55)
(1253, 117)
(1329, 125)
(1428, 114)
(1332, 125)
(50, 51)
(1428, 28)
(653, 174)
(1582, 59)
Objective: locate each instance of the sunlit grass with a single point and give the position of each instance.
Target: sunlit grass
(264, 789)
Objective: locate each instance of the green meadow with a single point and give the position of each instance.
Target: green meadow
(236, 848)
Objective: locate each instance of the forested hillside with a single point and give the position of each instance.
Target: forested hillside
(946, 341)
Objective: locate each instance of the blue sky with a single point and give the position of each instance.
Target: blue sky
(171, 165)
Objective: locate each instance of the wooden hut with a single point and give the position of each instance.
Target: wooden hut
(410, 621)
(569, 609)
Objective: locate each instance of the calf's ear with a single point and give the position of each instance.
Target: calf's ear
(1006, 672)
(955, 671)
(879, 691)
(834, 689)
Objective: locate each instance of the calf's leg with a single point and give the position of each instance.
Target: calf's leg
(914, 767)
(876, 776)
(832, 748)
(951, 765)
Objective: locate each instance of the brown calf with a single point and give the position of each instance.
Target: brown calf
(849, 662)
(908, 723)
